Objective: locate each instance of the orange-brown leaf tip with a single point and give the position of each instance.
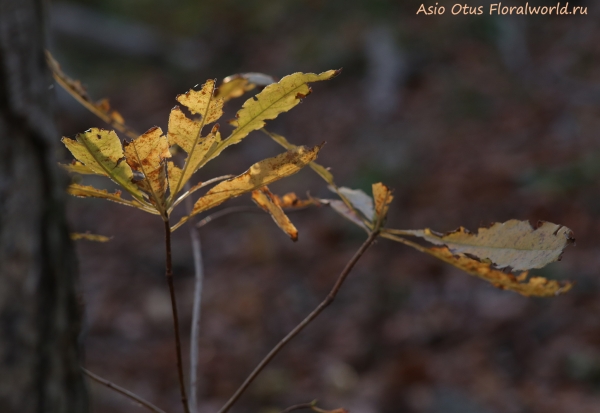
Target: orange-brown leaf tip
(337, 72)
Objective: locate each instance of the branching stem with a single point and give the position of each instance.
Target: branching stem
(328, 300)
(123, 391)
(169, 274)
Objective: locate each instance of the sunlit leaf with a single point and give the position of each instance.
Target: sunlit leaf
(78, 167)
(260, 174)
(514, 244)
(84, 191)
(274, 99)
(147, 155)
(101, 151)
(266, 200)
(186, 133)
(203, 102)
(76, 236)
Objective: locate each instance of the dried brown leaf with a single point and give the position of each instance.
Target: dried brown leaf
(267, 201)
(515, 244)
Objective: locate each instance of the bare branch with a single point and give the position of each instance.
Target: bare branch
(328, 300)
(123, 391)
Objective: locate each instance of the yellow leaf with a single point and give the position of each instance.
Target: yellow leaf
(274, 99)
(78, 167)
(75, 236)
(383, 197)
(147, 154)
(535, 286)
(267, 201)
(101, 108)
(203, 102)
(260, 174)
(182, 130)
(320, 170)
(515, 244)
(101, 151)
(291, 200)
(84, 191)
(186, 133)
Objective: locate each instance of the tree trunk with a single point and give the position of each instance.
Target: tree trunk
(39, 314)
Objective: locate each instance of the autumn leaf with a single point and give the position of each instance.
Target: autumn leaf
(271, 101)
(78, 167)
(76, 236)
(383, 197)
(101, 108)
(319, 169)
(186, 133)
(83, 191)
(267, 201)
(101, 151)
(147, 155)
(291, 200)
(260, 174)
(515, 244)
(534, 286)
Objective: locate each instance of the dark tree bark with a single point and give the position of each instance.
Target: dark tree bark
(39, 314)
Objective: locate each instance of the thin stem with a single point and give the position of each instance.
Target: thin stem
(195, 330)
(169, 274)
(189, 191)
(328, 300)
(225, 212)
(123, 391)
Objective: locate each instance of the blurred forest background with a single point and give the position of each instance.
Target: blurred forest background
(471, 119)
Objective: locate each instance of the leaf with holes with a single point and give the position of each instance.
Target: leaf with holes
(514, 244)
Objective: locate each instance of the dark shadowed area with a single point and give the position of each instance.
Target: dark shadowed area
(471, 119)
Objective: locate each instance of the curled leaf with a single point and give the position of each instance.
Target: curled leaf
(267, 202)
(383, 197)
(236, 85)
(101, 151)
(515, 244)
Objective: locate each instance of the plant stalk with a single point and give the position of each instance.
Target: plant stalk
(328, 300)
(169, 275)
(123, 391)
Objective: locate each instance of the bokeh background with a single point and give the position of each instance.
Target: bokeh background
(470, 119)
